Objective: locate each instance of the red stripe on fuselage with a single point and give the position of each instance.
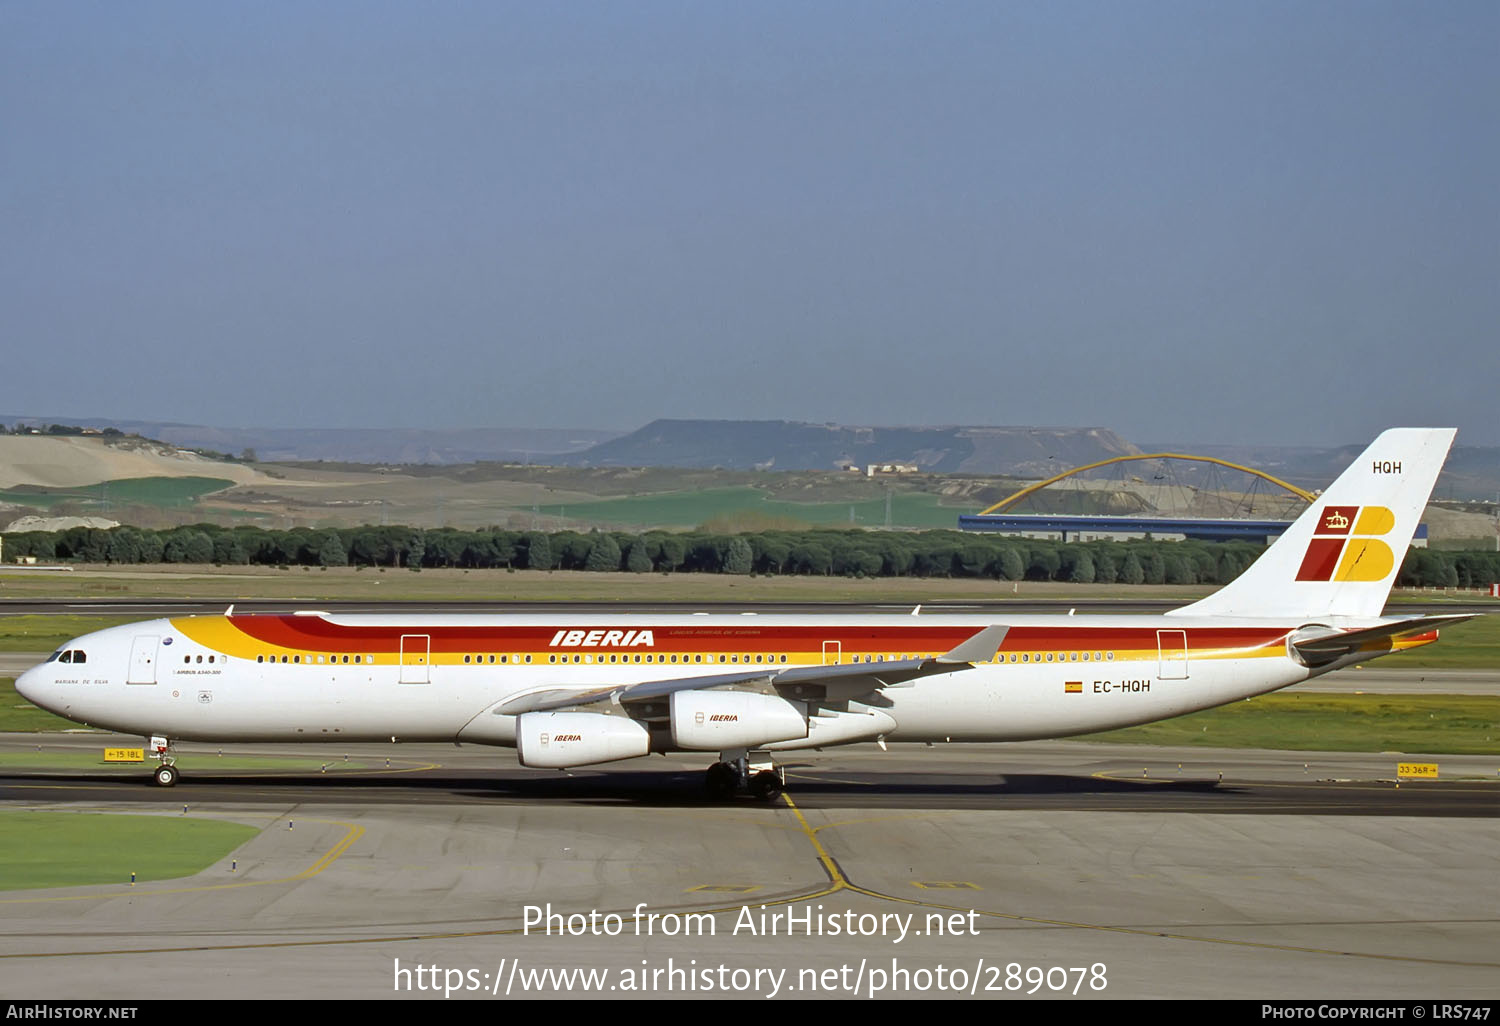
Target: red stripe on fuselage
(317, 634)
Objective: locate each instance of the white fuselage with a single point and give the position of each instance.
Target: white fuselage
(383, 678)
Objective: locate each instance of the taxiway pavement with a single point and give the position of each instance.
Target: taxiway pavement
(1296, 875)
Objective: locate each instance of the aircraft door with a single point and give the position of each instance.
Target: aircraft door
(1171, 650)
(143, 660)
(416, 650)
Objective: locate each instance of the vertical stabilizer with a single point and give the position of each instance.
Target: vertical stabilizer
(1342, 555)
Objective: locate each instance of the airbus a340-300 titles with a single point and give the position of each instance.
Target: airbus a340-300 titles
(575, 690)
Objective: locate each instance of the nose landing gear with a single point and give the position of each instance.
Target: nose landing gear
(166, 772)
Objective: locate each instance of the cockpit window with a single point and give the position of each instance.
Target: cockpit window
(80, 656)
(55, 656)
(67, 657)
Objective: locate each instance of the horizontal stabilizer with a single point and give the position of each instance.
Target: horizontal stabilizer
(1335, 643)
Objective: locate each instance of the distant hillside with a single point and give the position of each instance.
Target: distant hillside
(790, 445)
(356, 445)
(1471, 473)
(70, 462)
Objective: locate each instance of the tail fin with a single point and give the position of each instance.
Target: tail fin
(1340, 557)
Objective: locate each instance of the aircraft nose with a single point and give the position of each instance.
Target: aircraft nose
(24, 683)
(29, 686)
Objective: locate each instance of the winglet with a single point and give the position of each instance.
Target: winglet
(981, 648)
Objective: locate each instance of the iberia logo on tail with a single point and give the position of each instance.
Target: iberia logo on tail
(1346, 545)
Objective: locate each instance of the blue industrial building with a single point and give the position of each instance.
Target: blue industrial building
(1197, 528)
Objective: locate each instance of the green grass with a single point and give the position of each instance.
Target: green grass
(688, 509)
(66, 849)
(19, 715)
(167, 492)
(39, 633)
(198, 761)
(1472, 644)
(1437, 724)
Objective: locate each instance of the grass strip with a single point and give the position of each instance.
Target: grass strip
(1435, 724)
(192, 761)
(17, 714)
(69, 849)
(45, 633)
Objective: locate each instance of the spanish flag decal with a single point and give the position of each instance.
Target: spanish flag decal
(1073, 687)
(1346, 545)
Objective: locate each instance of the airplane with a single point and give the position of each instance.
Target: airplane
(568, 690)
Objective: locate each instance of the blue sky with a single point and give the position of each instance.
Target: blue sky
(1241, 222)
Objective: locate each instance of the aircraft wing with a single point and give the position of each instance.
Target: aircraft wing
(1336, 643)
(803, 683)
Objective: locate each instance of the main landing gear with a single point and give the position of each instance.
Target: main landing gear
(166, 773)
(752, 771)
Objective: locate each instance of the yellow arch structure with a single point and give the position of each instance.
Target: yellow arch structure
(1147, 456)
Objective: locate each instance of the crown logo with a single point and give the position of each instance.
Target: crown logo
(1336, 521)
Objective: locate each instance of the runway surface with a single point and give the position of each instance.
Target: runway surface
(1296, 875)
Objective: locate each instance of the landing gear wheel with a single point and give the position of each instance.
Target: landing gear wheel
(165, 775)
(766, 785)
(721, 781)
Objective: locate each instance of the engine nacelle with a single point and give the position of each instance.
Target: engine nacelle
(557, 740)
(715, 721)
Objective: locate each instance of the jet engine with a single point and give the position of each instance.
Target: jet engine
(557, 740)
(716, 721)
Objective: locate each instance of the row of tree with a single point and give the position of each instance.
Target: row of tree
(849, 553)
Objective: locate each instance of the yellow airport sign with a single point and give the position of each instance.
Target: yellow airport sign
(124, 755)
(1417, 770)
